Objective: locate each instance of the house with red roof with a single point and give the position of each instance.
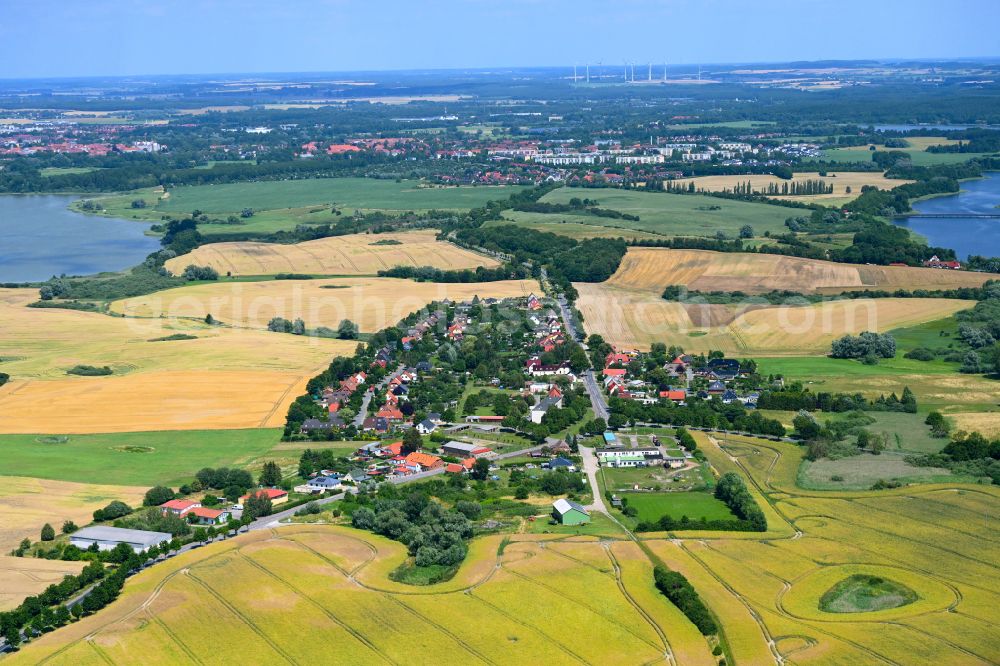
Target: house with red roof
(276, 495)
(934, 262)
(390, 412)
(614, 372)
(203, 515)
(616, 357)
(179, 507)
(341, 149)
(677, 396)
(425, 460)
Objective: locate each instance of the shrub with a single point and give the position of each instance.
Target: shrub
(112, 511)
(89, 371)
(157, 495)
(193, 272)
(676, 587)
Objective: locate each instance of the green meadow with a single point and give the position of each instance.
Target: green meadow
(659, 213)
(349, 193)
(694, 505)
(132, 459)
(918, 157)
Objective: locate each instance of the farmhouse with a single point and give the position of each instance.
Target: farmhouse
(179, 507)
(322, 484)
(424, 460)
(543, 406)
(560, 463)
(204, 516)
(276, 495)
(426, 427)
(107, 538)
(566, 512)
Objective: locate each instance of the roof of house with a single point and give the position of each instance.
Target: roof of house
(461, 446)
(560, 462)
(395, 448)
(179, 504)
(422, 459)
(328, 481)
(454, 468)
(102, 533)
(205, 512)
(270, 493)
(563, 506)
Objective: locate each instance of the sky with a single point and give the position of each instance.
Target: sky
(67, 38)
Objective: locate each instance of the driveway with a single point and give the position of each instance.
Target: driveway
(590, 468)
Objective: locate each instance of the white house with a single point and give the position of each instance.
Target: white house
(543, 406)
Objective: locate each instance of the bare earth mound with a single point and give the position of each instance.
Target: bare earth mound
(356, 254)
(654, 269)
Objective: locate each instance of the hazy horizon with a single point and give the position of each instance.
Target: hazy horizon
(65, 39)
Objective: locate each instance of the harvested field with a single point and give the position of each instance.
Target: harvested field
(372, 303)
(841, 181)
(224, 378)
(356, 254)
(701, 270)
(26, 504)
(161, 400)
(22, 577)
(987, 423)
(43, 342)
(257, 591)
(635, 319)
(207, 604)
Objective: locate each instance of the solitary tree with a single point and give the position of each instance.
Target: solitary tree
(69, 527)
(271, 474)
(412, 441)
(157, 495)
(48, 534)
(746, 231)
(347, 330)
(480, 469)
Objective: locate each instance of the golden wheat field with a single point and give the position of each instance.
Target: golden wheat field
(987, 423)
(160, 400)
(356, 254)
(553, 599)
(223, 378)
(372, 303)
(27, 503)
(249, 600)
(702, 270)
(933, 539)
(634, 319)
(22, 577)
(841, 181)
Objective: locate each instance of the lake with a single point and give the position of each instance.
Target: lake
(963, 234)
(40, 237)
